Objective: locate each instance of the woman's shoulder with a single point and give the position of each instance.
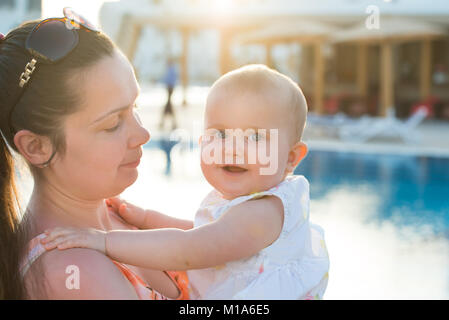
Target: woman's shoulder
(79, 273)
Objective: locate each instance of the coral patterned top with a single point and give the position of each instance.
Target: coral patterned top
(143, 290)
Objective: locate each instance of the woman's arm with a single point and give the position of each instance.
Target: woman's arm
(240, 232)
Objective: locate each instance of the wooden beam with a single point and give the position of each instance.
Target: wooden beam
(128, 37)
(318, 97)
(225, 54)
(137, 32)
(362, 67)
(184, 63)
(386, 79)
(269, 55)
(425, 69)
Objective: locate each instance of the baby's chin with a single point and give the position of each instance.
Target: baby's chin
(232, 195)
(234, 185)
(230, 192)
(234, 190)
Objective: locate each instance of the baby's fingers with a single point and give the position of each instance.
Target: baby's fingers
(52, 234)
(51, 244)
(114, 202)
(65, 242)
(124, 210)
(72, 242)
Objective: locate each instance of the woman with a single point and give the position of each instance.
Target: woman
(68, 108)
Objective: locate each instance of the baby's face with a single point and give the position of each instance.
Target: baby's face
(245, 147)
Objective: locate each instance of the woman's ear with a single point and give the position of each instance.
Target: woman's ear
(295, 156)
(35, 148)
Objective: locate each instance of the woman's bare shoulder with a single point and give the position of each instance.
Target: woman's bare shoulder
(84, 274)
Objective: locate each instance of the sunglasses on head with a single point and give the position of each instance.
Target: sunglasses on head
(53, 39)
(50, 41)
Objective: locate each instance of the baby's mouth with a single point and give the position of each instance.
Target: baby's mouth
(234, 169)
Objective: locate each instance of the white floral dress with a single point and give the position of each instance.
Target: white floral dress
(295, 266)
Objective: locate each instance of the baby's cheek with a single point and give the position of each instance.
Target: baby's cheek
(251, 153)
(210, 173)
(266, 153)
(212, 152)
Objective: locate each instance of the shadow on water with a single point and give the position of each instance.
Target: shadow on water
(167, 144)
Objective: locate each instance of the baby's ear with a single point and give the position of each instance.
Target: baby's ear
(296, 154)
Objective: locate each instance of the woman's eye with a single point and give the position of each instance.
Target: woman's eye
(112, 129)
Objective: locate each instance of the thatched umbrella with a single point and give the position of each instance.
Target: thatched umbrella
(392, 30)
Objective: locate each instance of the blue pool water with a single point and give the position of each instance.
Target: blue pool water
(413, 190)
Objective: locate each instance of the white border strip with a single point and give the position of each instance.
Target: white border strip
(377, 148)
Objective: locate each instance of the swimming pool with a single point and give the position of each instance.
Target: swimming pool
(412, 190)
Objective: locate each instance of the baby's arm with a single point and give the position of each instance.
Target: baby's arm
(240, 232)
(145, 218)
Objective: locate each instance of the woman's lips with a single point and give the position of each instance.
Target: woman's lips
(131, 164)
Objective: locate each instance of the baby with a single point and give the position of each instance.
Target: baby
(251, 237)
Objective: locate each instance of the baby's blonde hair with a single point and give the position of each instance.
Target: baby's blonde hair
(259, 79)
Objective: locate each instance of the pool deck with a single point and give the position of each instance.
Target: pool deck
(433, 135)
(433, 141)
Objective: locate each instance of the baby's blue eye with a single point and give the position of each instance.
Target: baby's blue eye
(220, 134)
(255, 137)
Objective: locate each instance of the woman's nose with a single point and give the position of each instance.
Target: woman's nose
(139, 135)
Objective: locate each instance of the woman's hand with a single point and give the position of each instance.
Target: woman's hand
(65, 238)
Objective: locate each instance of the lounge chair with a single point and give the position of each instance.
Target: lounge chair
(329, 124)
(389, 127)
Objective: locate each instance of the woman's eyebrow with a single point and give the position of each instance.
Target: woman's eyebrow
(118, 109)
(109, 113)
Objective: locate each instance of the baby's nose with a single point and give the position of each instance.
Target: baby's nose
(234, 147)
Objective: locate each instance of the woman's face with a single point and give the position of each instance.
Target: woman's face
(104, 138)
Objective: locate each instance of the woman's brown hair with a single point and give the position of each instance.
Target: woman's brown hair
(51, 95)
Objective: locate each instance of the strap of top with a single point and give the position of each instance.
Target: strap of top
(35, 250)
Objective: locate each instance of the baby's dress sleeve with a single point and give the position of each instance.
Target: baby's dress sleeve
(297, 263)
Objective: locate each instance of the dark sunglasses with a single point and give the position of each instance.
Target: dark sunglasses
(49, 42)
(53, 39)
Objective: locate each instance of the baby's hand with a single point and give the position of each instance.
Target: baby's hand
(132, 214)
(65, 238)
